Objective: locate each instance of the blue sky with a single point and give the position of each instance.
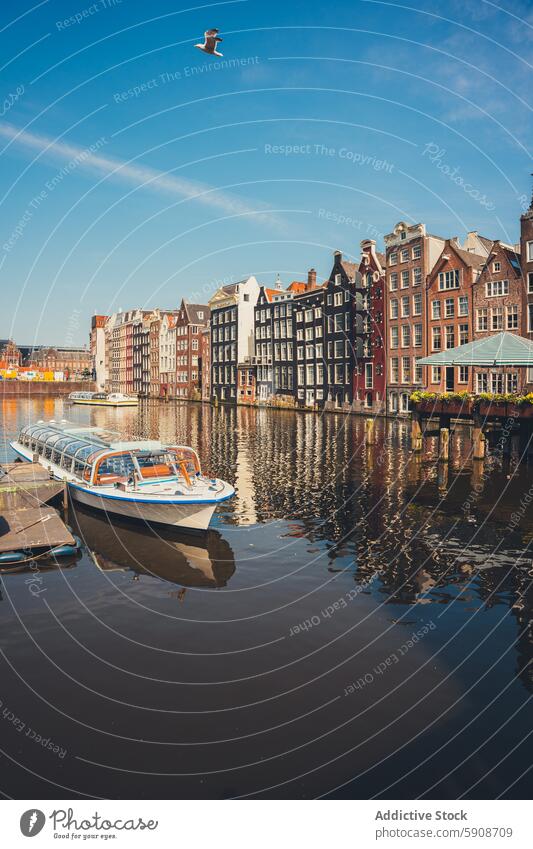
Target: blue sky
(135, 171)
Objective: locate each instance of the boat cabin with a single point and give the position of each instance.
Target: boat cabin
(86, 454)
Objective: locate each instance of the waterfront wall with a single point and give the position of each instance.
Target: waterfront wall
(49, 388)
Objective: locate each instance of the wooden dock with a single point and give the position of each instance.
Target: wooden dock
(27, 523)
(32, 528)
(26, 485)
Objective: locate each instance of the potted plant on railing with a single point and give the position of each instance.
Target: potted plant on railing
(445, 403)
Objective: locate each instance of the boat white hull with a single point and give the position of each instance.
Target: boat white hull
(194, 515)
(89, 403)
(191, 516)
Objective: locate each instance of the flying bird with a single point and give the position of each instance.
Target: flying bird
(210, 43)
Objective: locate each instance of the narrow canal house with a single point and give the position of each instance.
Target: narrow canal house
(205, 362)
(344, 295)
(369, 377)
(450, 320)
(411, 254)
(274, 341)
(232, 334)
(498, 303)
(167, 356)
(191, 320)
(309, 345)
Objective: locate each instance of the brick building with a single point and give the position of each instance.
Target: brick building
(369, 376)
(191, 320)
(74, 363)
(526, 251)
(450, 304)
(97, 348)
(411, 254)
(498, 302)
(246, 384)
(10, 355)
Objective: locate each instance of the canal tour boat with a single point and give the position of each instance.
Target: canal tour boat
(140, 479)
(103, 399)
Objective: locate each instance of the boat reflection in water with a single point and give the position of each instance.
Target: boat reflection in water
(179, 558)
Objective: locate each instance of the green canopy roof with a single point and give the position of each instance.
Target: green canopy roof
(502, 349)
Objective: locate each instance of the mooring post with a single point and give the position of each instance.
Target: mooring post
(370, 434)
(444, 444)
(416, 432)
(65, 499)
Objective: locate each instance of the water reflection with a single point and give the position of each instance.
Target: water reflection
(205, 561)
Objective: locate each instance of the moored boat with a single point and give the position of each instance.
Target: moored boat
(103, 399)
(140, 479)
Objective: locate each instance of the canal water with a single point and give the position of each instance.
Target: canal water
(356, 624)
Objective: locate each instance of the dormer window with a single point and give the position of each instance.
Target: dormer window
(338, 279)
(403, 235)
(200, 314)
(496, 266)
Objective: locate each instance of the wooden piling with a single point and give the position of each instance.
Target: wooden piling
(444, 444)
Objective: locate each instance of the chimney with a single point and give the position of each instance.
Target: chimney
(311, 279)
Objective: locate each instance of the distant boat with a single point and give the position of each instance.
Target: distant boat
(141, 479)
(103, 399)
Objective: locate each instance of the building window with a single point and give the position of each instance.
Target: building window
(417, 276)
(497, 288)
(404, 402)
(417, 335)
(530, 318)
(405, 279)
(482, 382)
(497, 318)
(393, 257)
(337, 299)
(449, 308)
(530, 282)
(496, 266)
(405, 306)
(417, 370)
(393, 402)
(393, 281)
(394, 336)
(449, 279)
(529, 252)
(406, 369)
(417, 304)
(450, 336)
(463, 374)
(404, 255)
(394, 308)
(512, 317)
(435, 374)
(436, 338)
(463, 305)
(435, 309)
(463, 334)
(482, 319)
(417, 252)
(394, 370)
(369, 378)
(406, 335)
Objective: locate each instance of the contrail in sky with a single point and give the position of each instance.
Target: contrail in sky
(137, 175)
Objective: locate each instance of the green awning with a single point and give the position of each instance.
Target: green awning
(502, 349)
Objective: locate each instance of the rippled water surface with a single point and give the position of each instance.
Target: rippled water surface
(348, 627)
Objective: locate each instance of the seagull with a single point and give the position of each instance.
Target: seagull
(210, 43)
